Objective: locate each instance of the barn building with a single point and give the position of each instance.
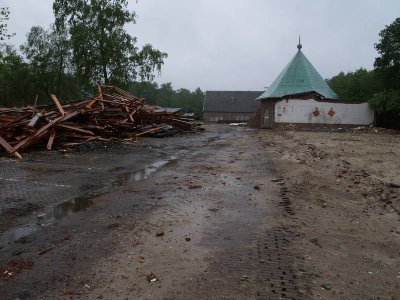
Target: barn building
(230, 106)
(300, 96)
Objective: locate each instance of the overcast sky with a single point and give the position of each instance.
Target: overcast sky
(242, 44)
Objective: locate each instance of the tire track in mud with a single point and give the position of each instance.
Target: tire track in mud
(249, 255)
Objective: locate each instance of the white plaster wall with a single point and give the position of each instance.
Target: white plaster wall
(302, 111)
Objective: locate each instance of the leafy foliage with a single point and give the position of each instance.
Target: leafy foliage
(358, 85)
(15, 83)
(102, 49)
(386, 101)
(388, 62)
(4, 16)
(48, 54)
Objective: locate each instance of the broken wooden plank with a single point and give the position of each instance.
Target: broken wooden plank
(51, 139)
(57, 103)
(34, 120)
(154, 130)
(6, 145)
(91, 102)
(73, 128)
(8, 148)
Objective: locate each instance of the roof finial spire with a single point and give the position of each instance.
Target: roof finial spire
(299, 46)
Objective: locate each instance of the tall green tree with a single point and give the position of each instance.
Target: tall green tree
(16, 88)
(102, 49)
(166, 95)
(387, 101)
(48, 53)
(4, 17)
(388, 61)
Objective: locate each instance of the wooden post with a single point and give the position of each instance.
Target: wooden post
(51, 139)
(57, 103)
(34, 107)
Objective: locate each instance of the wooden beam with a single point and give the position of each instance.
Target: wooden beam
(8, 148)
(153, 130)
(100, 92)
(6, 145)
(90, 103)
(77, 129)
(42, 131)
(57, 103)
(51, 139)
(34, 120)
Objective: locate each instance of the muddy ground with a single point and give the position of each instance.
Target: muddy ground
(229, 213)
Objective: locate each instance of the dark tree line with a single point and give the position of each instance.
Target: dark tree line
(164, 95)
(380, 86)
(86, 44)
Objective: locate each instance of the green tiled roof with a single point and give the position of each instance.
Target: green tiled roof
(299, 76)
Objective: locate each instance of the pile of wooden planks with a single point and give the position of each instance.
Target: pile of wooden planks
(112, 114)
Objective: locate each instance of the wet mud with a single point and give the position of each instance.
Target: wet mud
(187, 217)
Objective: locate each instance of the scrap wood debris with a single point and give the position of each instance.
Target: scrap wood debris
(112, 114)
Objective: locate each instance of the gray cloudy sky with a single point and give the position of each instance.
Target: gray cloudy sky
(238, 44)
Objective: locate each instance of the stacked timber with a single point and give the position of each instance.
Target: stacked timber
(112, 114)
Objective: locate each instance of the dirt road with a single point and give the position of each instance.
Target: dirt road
(230, 213)
(191, 217)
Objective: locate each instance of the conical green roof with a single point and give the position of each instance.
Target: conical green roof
(299, 76)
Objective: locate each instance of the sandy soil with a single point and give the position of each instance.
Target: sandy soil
(346, 195)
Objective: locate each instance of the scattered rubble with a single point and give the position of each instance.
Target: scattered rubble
(113, 114)
(160, 232)
(282, 127)
(15, 267)
(151, 277)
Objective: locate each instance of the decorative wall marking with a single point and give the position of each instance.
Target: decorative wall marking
(316, 112)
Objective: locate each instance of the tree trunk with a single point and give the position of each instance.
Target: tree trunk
(59, 79)
(105, 75)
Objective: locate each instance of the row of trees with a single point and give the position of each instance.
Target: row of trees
(380, 86)
(86, 44)
(165, 96)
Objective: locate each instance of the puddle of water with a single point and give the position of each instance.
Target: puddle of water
(55, 213)
(17, 233)
(131, 177)
(67, 208)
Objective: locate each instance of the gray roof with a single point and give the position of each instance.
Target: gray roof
(166, 109)
(231, 101)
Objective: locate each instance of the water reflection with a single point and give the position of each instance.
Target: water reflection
(131, 177)
(67, 208)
